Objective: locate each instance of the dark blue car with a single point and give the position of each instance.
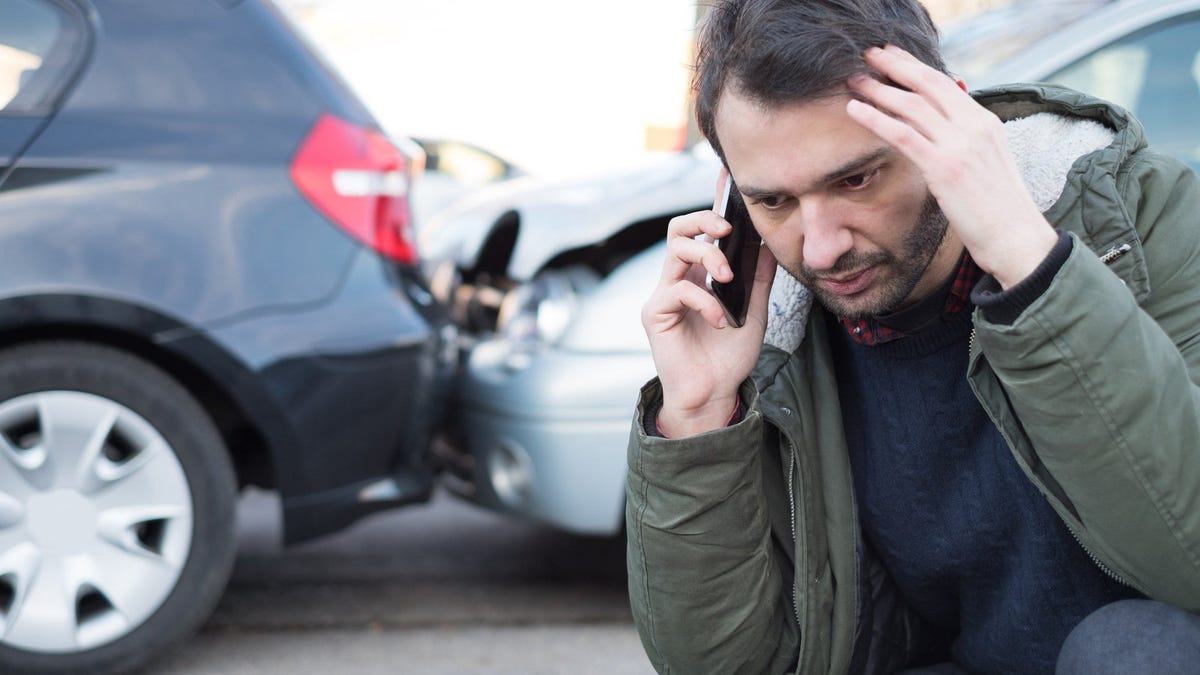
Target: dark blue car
(208, 280)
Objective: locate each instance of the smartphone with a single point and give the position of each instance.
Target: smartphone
(740, 247)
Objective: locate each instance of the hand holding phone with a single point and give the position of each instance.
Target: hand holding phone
(741, 248)
(700, 366)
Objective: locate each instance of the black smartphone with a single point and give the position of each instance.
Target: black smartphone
(740, 247)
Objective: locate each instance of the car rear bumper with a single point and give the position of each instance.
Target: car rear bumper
(545, 435)
(366, 432)
(355, 388)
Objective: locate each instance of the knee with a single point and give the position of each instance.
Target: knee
(1133, 636)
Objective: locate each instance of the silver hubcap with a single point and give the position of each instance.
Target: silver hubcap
(95, 521)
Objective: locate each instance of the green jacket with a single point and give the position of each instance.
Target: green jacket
(743, 546)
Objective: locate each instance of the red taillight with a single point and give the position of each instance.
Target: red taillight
(360, 181)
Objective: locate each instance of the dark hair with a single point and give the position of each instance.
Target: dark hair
(775, 52)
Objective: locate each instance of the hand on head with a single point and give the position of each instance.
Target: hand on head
(961, 149)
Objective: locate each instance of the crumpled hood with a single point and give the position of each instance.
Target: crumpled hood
(558, 214)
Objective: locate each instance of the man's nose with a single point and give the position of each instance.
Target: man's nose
(826, 236)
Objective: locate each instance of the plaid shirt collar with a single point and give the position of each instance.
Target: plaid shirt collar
(875, 331)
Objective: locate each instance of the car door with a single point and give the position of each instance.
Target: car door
(42, 46)
(1155, 73)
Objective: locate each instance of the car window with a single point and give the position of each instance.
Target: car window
(1155, 73)
(33, 36)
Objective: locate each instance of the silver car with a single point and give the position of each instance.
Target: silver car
(548, 279)
(545, 278)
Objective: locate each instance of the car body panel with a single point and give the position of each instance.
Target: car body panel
(562, 435)
(80, 224)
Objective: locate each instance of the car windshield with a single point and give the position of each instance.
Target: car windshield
(978, 44)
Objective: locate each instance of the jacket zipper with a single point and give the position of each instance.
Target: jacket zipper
(1108, 571)
(792, 462)
(791, 482)
(1115, 252)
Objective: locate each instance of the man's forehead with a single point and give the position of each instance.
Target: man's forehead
(738, 98)
(797, 146)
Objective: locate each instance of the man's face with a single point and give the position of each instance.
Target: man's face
(842, 211)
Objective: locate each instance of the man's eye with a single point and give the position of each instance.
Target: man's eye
(770, 203)
(859, 180)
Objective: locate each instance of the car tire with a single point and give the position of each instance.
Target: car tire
(117, 510)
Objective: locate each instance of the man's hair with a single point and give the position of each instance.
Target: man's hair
(774, 52)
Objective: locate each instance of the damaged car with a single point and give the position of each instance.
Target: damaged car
(544, 279)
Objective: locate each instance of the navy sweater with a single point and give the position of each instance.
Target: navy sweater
(971, 545)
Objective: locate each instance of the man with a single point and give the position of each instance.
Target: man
(977, 451)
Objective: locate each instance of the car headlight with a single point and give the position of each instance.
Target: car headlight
(539, 312)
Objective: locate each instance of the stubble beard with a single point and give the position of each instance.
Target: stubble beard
(901, 270)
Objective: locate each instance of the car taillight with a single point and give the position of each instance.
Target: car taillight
(360, 181)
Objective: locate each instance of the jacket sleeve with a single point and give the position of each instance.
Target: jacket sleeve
(1104, 388)
(708, 587)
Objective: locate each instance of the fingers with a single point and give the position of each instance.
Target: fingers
(909, 106)
(919, 103)
(935, 123)
(906, 70)
(915, 92)
(897, 133)
(689, 243)
(691, 254)
(668, 306)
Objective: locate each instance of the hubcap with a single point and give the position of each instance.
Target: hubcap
(95, 521)
(62, 522)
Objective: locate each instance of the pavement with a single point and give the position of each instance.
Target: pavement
(445, 587)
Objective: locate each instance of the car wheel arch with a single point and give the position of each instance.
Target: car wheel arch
(138, 330)
(607, 254)
(484, 284)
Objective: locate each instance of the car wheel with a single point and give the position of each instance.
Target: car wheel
(117, 510)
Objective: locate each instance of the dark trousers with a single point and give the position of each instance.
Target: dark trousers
(1135, 637)
(1130, 637)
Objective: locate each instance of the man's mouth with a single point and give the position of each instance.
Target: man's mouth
(849, 284)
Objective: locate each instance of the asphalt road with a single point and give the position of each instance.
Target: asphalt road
(442, 588)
